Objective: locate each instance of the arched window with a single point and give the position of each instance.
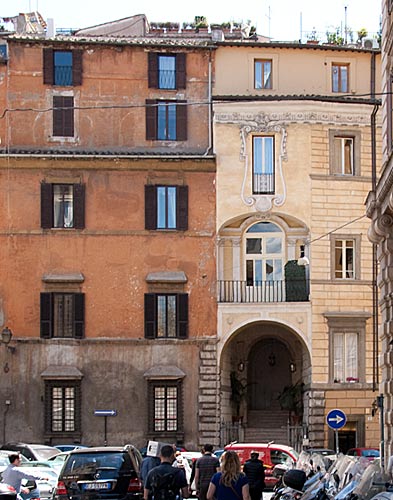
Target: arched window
(264, 252)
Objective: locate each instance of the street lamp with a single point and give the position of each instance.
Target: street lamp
(6, 336)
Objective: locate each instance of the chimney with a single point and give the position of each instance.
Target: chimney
(50, 29)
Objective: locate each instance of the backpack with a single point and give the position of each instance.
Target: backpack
(163, 486)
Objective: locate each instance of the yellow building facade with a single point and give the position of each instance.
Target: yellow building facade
(293, 137)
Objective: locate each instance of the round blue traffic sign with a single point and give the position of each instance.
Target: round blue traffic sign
(336, 419)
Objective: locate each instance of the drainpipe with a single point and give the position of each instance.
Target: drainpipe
(210, 104)
(374, 255)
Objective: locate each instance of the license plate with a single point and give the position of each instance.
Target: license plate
(96, 486)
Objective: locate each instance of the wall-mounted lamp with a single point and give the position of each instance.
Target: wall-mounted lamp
(302, 260)
(292, 367)
(240, 366)
(6, 336)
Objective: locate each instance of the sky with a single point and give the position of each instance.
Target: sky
(280, 19)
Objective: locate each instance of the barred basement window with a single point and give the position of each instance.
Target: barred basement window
(63, 406)
(165, 409)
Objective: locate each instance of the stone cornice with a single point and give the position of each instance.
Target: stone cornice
(312, 117)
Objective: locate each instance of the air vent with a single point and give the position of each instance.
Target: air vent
(370, 43)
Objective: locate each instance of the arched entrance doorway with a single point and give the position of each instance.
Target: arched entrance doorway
(269, 372)
(267, 360)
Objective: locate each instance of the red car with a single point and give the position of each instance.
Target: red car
(369, 453)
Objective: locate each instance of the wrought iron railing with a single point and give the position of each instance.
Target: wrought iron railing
(167, 79)
(263, 291)
(263, 184)
(63, 75)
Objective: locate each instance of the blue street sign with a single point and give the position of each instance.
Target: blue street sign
(105, 413)
(336, 419)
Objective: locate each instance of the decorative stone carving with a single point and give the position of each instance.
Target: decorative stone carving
(380, 228)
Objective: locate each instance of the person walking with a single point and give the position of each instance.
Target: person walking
(205, 468)
(148, 463)
(255, 472)
(13, 475)
(230, 483)
(165, 482)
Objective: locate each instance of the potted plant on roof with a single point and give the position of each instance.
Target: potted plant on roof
(201, 24)
(312, 37)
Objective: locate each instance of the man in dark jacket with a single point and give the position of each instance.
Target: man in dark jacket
(255, 472)
(205, 468)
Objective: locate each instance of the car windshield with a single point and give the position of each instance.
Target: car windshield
(370, 453)
(87, 463)
(45, 452)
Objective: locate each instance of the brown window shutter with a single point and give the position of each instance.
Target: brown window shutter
(153, 70)
(48, 67)
(181, 121)
(182, 315)
(46, 314)
(77, 67)
(181, 70)
(79, 315)
(63, 118)
(151, 119)
(182, 208)
(150, 207)
(79, 206)
(150, 315)
(46, 206)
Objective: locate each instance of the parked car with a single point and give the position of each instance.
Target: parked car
(57, 461)
(7, 492)
(270, 453)
(69, 447)
(40, 488)
(369, 453)
(32, 451)
(106, 472)
(321, 451)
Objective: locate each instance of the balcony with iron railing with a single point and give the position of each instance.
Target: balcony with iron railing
(263, 183)
(167, 79)
(289, 290)
(63, 75)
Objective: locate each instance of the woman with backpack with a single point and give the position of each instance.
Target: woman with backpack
(230, 483)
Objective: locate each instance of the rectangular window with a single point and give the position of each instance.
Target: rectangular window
(62, 206)
(166, 207)
(344, 259)
(62, 67)
(166, 315)
(345, 357)
(263, 165)
(166, 120)
(167, 71)
(166, 130)
(62, 406)
(340, 77)
(343, 162)
(62, 315)
(263, 74)
(165, 407)
(63, 116)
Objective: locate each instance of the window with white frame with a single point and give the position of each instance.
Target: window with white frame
(263, 165)
(344, 152)
(345, 356)
(263, 73)
(340, 77)
(344, 253)
(264, 253)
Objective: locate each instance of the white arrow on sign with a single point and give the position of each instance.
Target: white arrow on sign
(336, 419)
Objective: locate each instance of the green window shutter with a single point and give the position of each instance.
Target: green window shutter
(48, 67)
(150, 316)
(182, 315)
(46, 315)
